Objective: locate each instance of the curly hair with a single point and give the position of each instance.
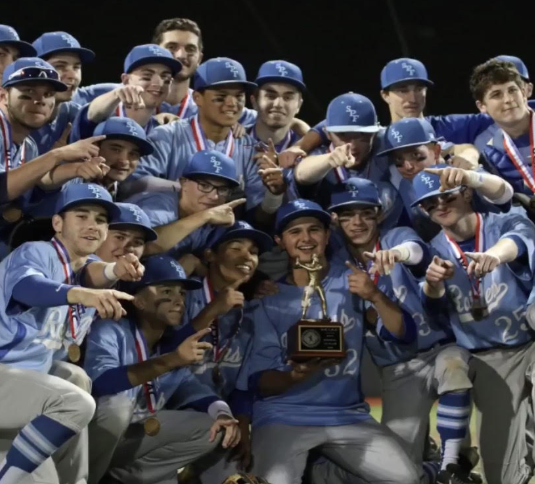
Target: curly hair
(176, 24)
(490, 73)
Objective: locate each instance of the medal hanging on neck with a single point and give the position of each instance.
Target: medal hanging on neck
(371, 313)
(219, 352)
(152, 424)
(200, 138)
(516, 158)
(184, 105)
(74, 311)
(479, 308)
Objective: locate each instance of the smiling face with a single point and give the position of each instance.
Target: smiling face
(122, 240)
(277, 104)
(121, 156)
(405, 100)
(29, 104)
(233, 260)
(221, 106)
(162, 304)
(359, 224)
(82, 229)
(155, 79)
(303, 238)
(505, 103)
(69, 67)
(446, 210)
(185, 47)
(203, 192)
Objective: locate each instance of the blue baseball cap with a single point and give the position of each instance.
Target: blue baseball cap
(280, 71)
(351, 113)
(220, 71)
(9, 36)
(212, 163)
(297, 209)
(427, 185)
(151, 54)
(132, 215)
(403, 70)
(161, 269)
(408, 132)
(240, 230)
(53, 42)
(86, 194)
(126, 129)
(355, 192)
(31, 69)
(519, 64)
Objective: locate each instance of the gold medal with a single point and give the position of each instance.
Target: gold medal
(151, 426)
(12, 214)
(74, 353)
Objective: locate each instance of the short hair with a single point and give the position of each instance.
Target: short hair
(493, 72)
(177, 24)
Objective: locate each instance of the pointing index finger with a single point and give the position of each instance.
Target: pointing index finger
(236, 203)
(434, 171)
(353, 267)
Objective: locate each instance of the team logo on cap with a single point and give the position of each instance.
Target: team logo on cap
(131, 128)
(156, 50)
(352, 189)
(232, 68)
(69, 39)
(396, 135)
(178, 269)
(282, 70)
(216, 164)
(243, 225)
(428, 181)
(136, 212)
(410, 70)
(352, 114)
(96, 190)
(299, 204)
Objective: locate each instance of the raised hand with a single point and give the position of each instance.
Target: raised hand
(341, 156)
(383, 260)
(128, 268)
(450, 178)
(192, 350)
(481, 263)
(105, 301)
(288, 158)
(130, 96)
(82, 150)
(224, 214)
(93, 169)
(361, 284)
(439, 271)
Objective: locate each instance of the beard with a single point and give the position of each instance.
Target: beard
(14, 117)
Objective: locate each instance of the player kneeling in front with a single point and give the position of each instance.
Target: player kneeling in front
(480, 281)
(148, 438)
(44, 312)
(317, 404)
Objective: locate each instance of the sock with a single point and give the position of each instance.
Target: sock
(431, 471)
(32, 446)
(453, 417)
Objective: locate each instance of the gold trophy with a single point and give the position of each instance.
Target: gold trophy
(312, 338)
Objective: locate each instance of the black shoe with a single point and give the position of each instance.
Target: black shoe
(453, 474)
(431, 451)
(468, 459)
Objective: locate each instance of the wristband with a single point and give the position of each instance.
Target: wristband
(218, 408)
(475, 179)
(109, 272)
(271, 203)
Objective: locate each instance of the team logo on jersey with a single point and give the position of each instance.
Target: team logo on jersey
(156, 50)
(428, 181)
(131, 128)
(218, 168)
(69, 39)
(136, 212)
(352, 114)
(396, 135)
(233, 69)
(282, 70)
(410, 70)
(96, 190)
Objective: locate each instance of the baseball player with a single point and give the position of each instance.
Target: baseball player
(413, 376)
(11, 47)
(219, 90)
(148, 74)
(185, 220)
(522, 70)
(412, 146)
(50, 293)
(137, 427)
(480, 280)
(352, 128)
(63, 52)
(318, 404)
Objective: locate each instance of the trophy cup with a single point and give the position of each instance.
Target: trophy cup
(311, 338)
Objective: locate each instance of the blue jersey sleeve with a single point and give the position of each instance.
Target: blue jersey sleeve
(165, 141)
(36, 291)
(82, 127)
(460, 128)
(84, 95)
(104, 348)
(321, 132)
(248, 117)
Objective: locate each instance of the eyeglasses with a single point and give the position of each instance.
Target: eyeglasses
(207, 187)
(430, 204)
(34, 73)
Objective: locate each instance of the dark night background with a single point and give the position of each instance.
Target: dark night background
(339, 45)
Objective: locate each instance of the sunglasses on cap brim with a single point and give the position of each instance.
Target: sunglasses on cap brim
(431, 203)
(27, 73)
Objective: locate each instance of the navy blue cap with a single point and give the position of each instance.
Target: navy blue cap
(519, 64)
(126, 129)
(408, 132)
(240, 230)
(53, 42)
(31, 69)
(297, 209)
(212, 163)
(427, 185)
(280, 71)
(9, 36)
(161, 269)
(131, 214)
(355, 192)
(86, 194)
(220, 71)
(403, 70)
(351, 113)
(151, 54)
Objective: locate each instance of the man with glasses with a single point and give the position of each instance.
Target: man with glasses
(478, 285)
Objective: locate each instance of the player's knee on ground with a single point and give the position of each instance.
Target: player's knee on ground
(73, 374)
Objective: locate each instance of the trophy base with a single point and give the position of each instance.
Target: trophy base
(309, 339)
